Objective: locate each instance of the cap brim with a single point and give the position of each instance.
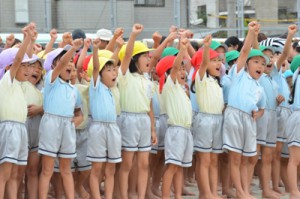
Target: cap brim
(30, 60)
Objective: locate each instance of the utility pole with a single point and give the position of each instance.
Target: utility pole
(231, 17)
(48, 16)
(240, 10)
(298, 16)
(113, 14)
(177, 13)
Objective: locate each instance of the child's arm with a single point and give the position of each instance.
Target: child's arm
(28, 32)
(30, 47)
(255, 44)
(120, 42)
(257, 114)
(287, 46)
(65, 59)
(83, 53)
(66, 39)
(10, 40)
(49, 46)
(158, 51)
(136, 30)
(96, 65)
(205, 57)
(34, 110)
(178, 60)
(156, 37)
(241, 61)
(78, 117)
(111, 44)
(153, 133)
(279, 99)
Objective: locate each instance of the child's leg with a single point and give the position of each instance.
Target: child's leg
(235, 164)
(158, 172)
(94, 179)
(245, 172)
(276, 167)
(178, 183)
(226, 183)
(267, 153)
(283, 173)
(169, 173)
(125, 168)
(116, 184)
(213, 173)
(109, 180)
(12, 184)
(57, 185)
(252, 163)
(203, 169)
(132, 181)
(292, 171)
(45, 176)
(143, 166)
(67, 177)
(82, 177)
(32, 173)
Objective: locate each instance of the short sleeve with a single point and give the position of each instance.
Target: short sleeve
(78, 103)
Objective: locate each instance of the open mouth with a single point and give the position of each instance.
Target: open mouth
(68, 71)
(34, 76)
(218, 69)
(269, 65)
(114, 79)
(258, 72)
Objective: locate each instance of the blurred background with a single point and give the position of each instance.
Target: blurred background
(222, 18)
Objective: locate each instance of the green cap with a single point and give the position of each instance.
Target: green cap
(257, 53)
(263, 48)
(169, 51)
(215, 44)
(232, 55)
(295, 63)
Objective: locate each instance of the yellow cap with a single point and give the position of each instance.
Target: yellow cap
(102, 62)
(41, 54)
(139, 47)
(101, 53)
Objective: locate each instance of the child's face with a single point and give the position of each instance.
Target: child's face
(23, 72)
(36, 73)
(256, 67)
(214, 67)
(66, 72)
(73, 75)
(268, 68)
(143, 63)
(181, 75)
(109, 75)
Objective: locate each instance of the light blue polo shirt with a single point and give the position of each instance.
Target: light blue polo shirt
(271, 91)
(102, 103)
(193, 96)
(60, 97)
(245, 93)
(296, 104)
(283, 87)
(226, 83)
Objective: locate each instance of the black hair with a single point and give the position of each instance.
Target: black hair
(195, 45)
(133, 63)
(207, 75)
(17, 41)
(109, 63)
(292, 96)
(230, 63)
(57, 58)
(233, 41)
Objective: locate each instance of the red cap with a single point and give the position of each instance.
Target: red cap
(197, 59)
(162, 66)
(86, 62)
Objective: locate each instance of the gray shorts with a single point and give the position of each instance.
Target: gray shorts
(285, 150)
(293, 129)
(163, 126)
(239, 132)
(104, 142)
(178, 146)
(267, 129)
(57, 136)
(13, 143)
(136, 131)
(154, 148)
(208, 133)
(32, 126)
(283, 114)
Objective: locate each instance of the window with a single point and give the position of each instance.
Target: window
(149, 3)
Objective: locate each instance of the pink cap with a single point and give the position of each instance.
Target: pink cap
(52, 55)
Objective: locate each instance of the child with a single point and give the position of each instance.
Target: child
(34, 101)
(179, 110)
(13, 114)
(292, 132)
(137, 120)
(104, 138)
(208, 136)
(239, 130)
(62, 114)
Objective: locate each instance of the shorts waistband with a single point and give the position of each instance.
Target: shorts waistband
(179, 127)
(284, 107)
(102, 122)
(58, 116)
(130, 113)
(235, 109)
(270, 110)
(11, 121)
(208, 114)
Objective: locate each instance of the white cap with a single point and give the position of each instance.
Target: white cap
(104, 34)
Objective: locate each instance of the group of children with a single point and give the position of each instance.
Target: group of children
(132, 116)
